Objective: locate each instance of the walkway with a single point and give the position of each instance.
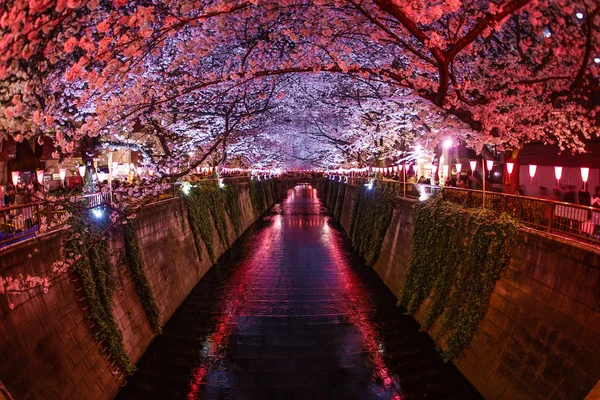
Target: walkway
(290, 314)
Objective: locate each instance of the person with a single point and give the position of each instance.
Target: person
(584, 197)
(556, 194)
(596, 198)
(570, 196)
(9, 197)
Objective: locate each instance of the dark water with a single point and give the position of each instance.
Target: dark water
(290, 313)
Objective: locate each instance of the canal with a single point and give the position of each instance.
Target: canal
(290, 313)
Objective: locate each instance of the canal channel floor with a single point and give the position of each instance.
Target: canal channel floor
(289, 312)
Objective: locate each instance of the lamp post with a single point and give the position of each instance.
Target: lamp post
(558, 175)
(585, 174)
(509, 168)
(62, 172)
(458, 169)
(473, 165)
(532, 169)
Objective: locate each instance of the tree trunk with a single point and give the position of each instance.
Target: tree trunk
(510, 183)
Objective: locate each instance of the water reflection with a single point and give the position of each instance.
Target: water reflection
(289, 313)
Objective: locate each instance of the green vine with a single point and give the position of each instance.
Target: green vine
(217, 206)
(258, 196)
(234, 210)
(96, 274)
(134, 263)
(198, 206)
(371, 215)
(457, 256)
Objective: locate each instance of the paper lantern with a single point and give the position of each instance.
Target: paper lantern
(62, 172)
(415, 167)
(39, 174)
(585, 174)
(81, 169)
(445, 169)
(558, 173)
(489, 164)
(532, 169)
(15, 177)
(510, 167)
(433, 169)
(458, 168)
(473, 165)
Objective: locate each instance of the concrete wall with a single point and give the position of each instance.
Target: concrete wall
(540, 337)
(47, 350)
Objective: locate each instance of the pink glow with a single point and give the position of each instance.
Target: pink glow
(489, 164)
(473, 165)
(585, 174)
(15, 177)
(558, 173)
(458, 168)
(532, 169)
(40, 176)
(509, 167)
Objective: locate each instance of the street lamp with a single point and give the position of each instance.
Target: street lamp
(558, 175)
(532, 169)
(473, 165)
(15, 178)
(585, 174)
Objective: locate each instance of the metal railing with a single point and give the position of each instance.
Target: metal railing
(23, 221)
(565, 219)
(18, 222)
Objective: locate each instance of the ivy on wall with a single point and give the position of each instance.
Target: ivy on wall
(96, 274)
(232, 201)
(200, 224)
(258, 196)
(457, 256)
(372, 215)
(135, 264)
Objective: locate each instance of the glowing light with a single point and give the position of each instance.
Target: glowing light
(585, 174)
(433, 169)
(62, 172)
(406, 167)
(445, 169)
(221, 184)
(558, 173)
(458, 168)
(532, 169)
(510, 167)
(447, 143)
(40, 176)
(186, 187)
(489, 164)
(579, 15)
(473, 165)
(370, 184)
(597, 60)
(415, 168)
(546, 32)
(15, 177)
(81, 170)
(97, 212)
(418, 148)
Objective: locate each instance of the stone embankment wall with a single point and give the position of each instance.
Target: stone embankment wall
(47, 347)
(540, 337)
